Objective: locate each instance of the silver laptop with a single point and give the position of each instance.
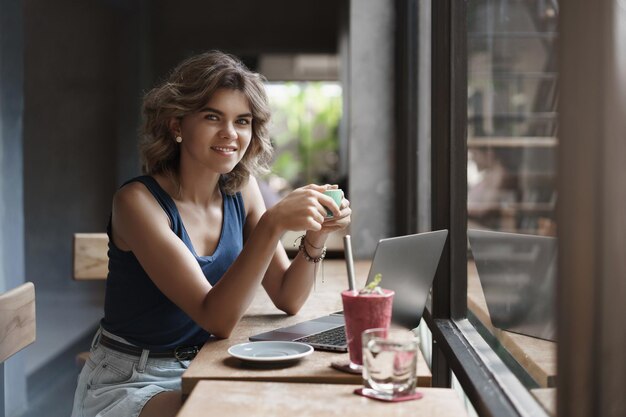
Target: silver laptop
(517, 274)
(407, 264)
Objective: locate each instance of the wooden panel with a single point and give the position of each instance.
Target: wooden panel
(90, 256)
(536, 356)
(547, 398)
(213, 361)
(17, 320)
(238, 399)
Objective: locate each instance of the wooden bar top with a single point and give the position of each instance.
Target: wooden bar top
(536, 356)
(243, 399)
(547, 398)
(213, 361)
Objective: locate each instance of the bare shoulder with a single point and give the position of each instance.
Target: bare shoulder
(131, 195)
(136, 215)
(134, 199)
(252, 198)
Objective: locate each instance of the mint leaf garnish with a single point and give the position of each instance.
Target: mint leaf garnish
(374, 286)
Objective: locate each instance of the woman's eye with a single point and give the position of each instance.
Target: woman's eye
(243, 121)
(211, 117)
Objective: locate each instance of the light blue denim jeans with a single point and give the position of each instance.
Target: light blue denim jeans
(114, 384)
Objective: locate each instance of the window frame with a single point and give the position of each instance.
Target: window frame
(457, 346)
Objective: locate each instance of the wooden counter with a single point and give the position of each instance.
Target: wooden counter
(245, 399)
(547, 398)
(536, 356)
(214, 363)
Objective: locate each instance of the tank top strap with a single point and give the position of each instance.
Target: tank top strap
(164, 199)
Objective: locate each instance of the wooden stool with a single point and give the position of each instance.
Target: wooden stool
(17, 326)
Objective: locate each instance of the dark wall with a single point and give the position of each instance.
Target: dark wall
(70, 125)
(243, 27)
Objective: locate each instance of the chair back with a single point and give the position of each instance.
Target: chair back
(17, 320)
(90, 259)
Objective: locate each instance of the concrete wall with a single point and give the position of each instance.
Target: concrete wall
(372, 122)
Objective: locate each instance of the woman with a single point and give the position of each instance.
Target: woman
(191, 241)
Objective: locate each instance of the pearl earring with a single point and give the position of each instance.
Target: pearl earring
(179, 139)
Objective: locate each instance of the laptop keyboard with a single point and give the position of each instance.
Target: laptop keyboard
(332, 337)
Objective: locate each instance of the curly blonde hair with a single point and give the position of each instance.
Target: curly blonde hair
(187, 90)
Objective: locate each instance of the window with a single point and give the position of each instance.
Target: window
(522, 120)
(512, 127)
(512, 95)
(491, 139)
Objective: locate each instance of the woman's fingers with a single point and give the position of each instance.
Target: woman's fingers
(345, 212)
(314, 225)
(314, 202)
(330, 204)
(325, 201)
(340, 222)
(307, 207)
(318, 188)
(317, 213)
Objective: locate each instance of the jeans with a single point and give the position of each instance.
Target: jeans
(114, 384)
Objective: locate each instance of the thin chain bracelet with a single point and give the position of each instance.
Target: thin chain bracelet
(311, 245)
(309, 258)
(306, 254)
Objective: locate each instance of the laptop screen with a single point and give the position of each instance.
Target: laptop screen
(408, 265)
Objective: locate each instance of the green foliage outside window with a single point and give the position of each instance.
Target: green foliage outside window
(305, 131)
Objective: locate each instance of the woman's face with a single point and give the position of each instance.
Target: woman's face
(219, 134)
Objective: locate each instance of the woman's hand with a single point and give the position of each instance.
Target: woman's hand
(305, 209)
(331, 224)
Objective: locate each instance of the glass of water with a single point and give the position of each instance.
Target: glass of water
(390, 362)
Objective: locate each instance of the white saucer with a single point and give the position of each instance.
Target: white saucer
(270, 351)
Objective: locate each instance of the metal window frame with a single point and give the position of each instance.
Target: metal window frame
(406, 91)
(492, 388)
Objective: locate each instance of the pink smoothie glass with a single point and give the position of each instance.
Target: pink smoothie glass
(362, 312)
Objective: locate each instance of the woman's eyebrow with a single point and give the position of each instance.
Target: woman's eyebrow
(212, 110)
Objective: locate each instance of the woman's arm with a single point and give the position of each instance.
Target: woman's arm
(140, 225)
(289, 284)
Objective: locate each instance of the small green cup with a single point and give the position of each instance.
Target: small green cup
(335, 194)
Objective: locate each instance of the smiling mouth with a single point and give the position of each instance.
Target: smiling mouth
(224, 150)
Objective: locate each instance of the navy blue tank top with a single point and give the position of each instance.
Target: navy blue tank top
(135, 309)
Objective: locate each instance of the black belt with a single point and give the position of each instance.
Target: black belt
(182, 353)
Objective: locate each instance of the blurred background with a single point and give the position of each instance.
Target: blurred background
(512, 115)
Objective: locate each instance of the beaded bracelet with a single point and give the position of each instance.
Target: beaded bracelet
(306, 254)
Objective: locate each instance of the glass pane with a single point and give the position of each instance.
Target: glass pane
(512, 128)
